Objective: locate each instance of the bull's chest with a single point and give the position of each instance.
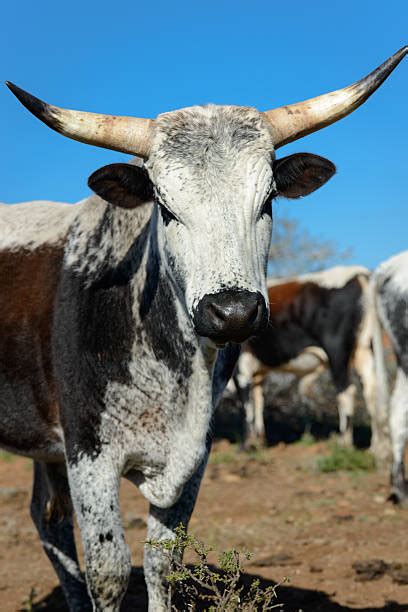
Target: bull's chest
(160, 421)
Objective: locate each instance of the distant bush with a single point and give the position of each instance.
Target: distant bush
(203, 587)
(346, 459)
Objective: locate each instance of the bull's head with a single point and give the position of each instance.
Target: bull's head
(213, 174)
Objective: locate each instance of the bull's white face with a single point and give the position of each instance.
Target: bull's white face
(212, 173)
(211, 168)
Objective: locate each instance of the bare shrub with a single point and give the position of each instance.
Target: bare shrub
(202, 586)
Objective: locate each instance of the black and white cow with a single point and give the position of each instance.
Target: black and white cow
(322, 320)
(120, 317)
(391, 284)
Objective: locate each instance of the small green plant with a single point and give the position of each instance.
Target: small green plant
(219, 590)
(221, 458)
(306, 440)
(258, 454)
(346, 459)
(238, 457)
(7, 457)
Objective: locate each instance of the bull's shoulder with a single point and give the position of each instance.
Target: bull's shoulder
(32, 237)
(334, 278)
(392, 275)
(30, 225)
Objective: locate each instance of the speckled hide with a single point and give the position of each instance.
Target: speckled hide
(103, 372)
(391, 285)
(101, 369)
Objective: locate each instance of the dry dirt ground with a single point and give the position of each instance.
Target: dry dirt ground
(308, 526)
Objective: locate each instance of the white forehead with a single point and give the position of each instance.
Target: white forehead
(204, 146)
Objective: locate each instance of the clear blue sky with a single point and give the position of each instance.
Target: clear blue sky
(143, 58)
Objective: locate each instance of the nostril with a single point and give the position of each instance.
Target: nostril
(216, 312)
(253, 313)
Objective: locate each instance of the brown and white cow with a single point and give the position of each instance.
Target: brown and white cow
(322, 320)
(121, 316)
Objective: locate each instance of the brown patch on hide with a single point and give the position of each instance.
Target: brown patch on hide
(281, 296)
(28, 283)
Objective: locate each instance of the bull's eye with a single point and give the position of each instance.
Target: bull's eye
(167, 216)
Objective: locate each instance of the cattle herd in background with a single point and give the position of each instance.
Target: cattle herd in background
(335, 319)
(121, 319)
(317, 321)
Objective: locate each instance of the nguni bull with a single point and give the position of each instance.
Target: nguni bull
(121, 316)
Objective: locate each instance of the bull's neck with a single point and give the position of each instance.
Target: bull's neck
(107, 243)
(117, 250)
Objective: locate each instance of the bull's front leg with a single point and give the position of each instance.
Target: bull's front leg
(162, 524)
(94, 483)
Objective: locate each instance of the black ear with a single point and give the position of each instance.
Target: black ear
(122, 185)
(299, 174)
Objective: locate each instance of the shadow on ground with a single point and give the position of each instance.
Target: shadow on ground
(292, 598)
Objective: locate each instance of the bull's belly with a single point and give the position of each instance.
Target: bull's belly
(24, 427)
(278, 351)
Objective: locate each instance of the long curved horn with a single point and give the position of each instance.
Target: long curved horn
(126, 134)
(296, 120)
